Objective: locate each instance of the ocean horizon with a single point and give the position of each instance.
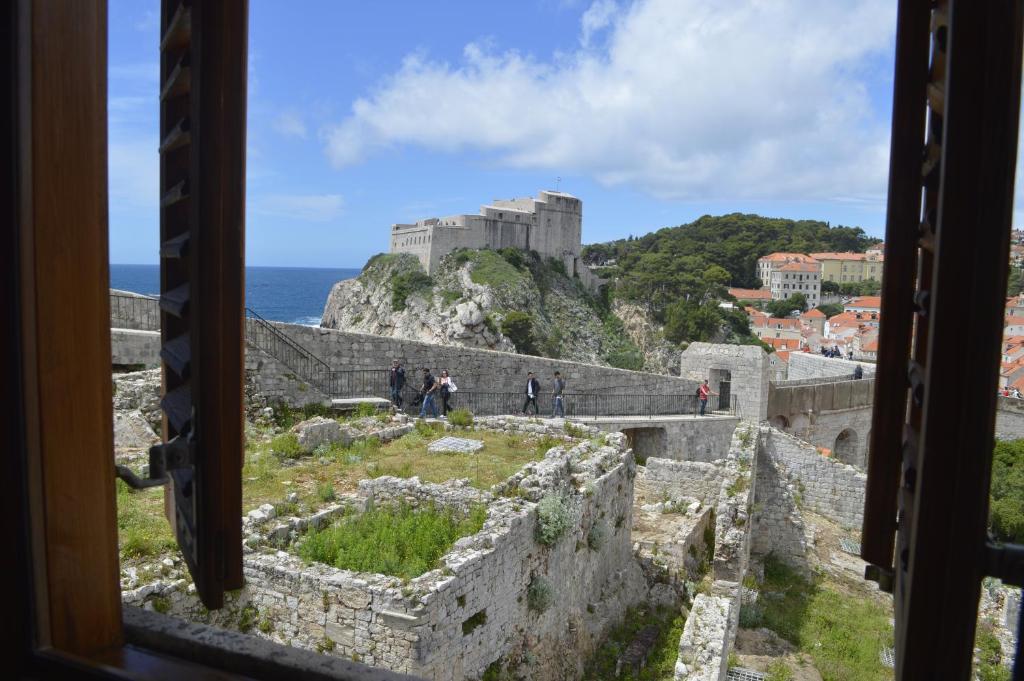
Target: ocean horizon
(295, 295)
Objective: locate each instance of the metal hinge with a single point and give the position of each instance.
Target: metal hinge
(172, 455)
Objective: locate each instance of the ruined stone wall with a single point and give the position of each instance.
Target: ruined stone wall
(1009, 418)
(702, 481)
(452, 623)
(134, 347)
(823, 485)
(681, 439)
(778, 526)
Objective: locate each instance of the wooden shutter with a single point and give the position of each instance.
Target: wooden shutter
(202, 223)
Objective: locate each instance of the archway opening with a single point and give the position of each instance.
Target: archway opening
(780, 422)
(845, 448)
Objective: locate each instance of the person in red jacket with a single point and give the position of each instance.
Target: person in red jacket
(702, 393)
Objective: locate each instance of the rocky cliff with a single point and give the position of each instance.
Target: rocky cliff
(502, 300)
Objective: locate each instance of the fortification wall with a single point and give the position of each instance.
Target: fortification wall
(809, 365)
(130, 347)
(1009, 418)
(473, 369)
(778, 524)
(680, 439)
(823, 485)
(746, 367)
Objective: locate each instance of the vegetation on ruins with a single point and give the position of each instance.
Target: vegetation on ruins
(540, 594)
(842, 632)
(553, 518)
(1006, 505)
(286, 446)
(662, 658)
(141, 527)
(392, 540)
(517, 326)
(461, 418)
(989, 656)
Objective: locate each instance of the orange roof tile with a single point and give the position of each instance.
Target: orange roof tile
(751, 293)
(839, 256)
(800, 267)
(783, 355)
(1013, 321)
(813, 314)
(865, 301)
(784, 257)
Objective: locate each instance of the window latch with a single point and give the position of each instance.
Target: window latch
(175, 454)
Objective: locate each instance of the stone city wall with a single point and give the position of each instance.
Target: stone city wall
(453, 623)
(744, 366)
(702, 481)
(809, 365)
(823, 485)
(1009, 418)
(681, 439)
(473, 369)
(132, 347)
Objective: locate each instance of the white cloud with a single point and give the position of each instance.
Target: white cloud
(302, 207)
(684, 99)
(597, 17)
(290, 124)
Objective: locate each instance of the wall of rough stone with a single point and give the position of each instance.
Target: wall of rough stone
(702, 481)
(778, 526)
(823, 485)
(476, 369)
(809, 365)
(678, 438)
(133, 347)
(710, 629)
(452, 623)
(1009, 418)
(818, 412)
(748, 368)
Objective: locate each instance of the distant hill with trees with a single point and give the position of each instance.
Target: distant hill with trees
(680, 274)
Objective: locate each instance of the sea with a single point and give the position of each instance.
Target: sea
(283, 294)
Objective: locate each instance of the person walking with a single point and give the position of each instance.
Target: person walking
(702, 393)
(396, 381)
(532, 390)
(557, 406)
(858, 372)
(429, 388)
(447, 387)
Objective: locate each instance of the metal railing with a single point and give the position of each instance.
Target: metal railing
(306, 365)
(134, 312)
(575, 404)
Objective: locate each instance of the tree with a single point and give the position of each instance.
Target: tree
(1015, 282)
(829, 288)
(687, 321)
(1006, 509)
(518, 327)
(783, 308)
(830, 309)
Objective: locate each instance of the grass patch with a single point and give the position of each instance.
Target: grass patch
(662, 659)
(142, 530)
(491, 269)
(286, 446)
(393, 540)
(842, 633)
(462, 418)
(989, 659)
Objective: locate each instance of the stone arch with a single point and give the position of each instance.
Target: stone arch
(847, 447)
(647, 442)
(779, 421)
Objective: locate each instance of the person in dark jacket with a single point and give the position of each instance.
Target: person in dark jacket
(430, 387)
(396, 381)
(557, 406)
(532, 390)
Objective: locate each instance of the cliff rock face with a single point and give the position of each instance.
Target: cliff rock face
(659, 355)
(467, 301)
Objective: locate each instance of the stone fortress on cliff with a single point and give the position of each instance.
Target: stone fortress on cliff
(550, 224)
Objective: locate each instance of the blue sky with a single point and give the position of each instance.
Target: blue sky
(653, 112)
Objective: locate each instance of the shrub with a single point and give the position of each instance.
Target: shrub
(394, 540)
(778, 670)
(546, 442)
(539, 594)
(491, 269)
(518, 327)
(626, 359)
(425, 429)
(405, 284)
(489, 322)
(325, 492)
(573, 430)
(751, 616)
(286, 446)
(553, 518)
(460, 417)
(597, 535)
(364, 409)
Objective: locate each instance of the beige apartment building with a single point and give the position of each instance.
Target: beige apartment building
(785, 274)
(850, 267)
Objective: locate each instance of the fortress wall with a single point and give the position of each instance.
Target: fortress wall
(1009, 418)
(809, 365)
(131, 347)
(823, 485)
(474, 369)
(778, 525)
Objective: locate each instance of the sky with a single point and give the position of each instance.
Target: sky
(652, 112)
